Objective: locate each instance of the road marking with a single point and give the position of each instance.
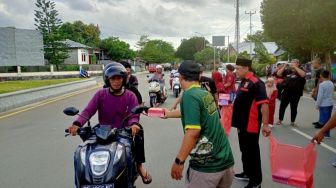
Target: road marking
(48, 101)
(309, 137)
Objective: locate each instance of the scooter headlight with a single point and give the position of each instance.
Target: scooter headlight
(99, 161)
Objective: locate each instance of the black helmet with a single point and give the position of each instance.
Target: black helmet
(126, 64)
(114, 69)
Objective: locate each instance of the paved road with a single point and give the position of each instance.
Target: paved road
(35, 154)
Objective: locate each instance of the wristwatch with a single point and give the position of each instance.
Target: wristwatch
(178, 161)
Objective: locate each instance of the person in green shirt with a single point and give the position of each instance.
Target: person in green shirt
(211, 160)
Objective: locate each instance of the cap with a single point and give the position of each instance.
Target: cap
(244, 62)
(189, 67)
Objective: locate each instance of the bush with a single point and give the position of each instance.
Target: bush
(260, 69)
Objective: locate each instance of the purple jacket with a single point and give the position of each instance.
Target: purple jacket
(111, 109)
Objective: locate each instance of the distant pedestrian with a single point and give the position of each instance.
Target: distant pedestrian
(229, 80)
(325, 101)
(317, 66)
(211, 160)
(293, 85)
(272, 94)
(250, 109)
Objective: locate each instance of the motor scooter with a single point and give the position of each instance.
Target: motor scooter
(176, 86)
(105, 159)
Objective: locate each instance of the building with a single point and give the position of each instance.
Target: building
(271, 47)
(21, 47)
(80, 54)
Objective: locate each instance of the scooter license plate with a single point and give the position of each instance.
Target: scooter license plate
(98, 186)
(152, 94)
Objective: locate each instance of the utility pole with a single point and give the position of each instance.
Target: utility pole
(250, 13)
(228, 49)
(237, 30)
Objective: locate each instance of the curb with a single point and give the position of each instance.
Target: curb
(17, 99)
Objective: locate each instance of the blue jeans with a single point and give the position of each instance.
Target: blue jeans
(325, 114)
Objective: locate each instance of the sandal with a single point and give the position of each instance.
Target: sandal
(279, 123)
(147, 178)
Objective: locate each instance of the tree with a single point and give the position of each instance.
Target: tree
(189, 47)
(244, 55)
(157, 51)
(142, 42)
(257, 36)
(262, 54)
(303, 27)
(82, 33)
(206, 56)
(117, 49)
(46, 21)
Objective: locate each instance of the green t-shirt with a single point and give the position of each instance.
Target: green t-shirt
(212, 152)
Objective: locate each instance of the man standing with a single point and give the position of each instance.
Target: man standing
(317, 75)
(294, 81)
(211, 162)
(249, 109)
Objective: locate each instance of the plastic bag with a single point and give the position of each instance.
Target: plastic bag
(156, 112)
(226, 118)
(292, 165)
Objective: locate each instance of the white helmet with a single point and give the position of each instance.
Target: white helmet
(158, 67)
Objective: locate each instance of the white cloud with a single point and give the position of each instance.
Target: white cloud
(169, 20)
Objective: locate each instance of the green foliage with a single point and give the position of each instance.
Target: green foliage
(262, 54)
(257, 36)
(301, 26)
(142, 42)
(117, 49)
(11, 86)
(189, 47)
(205, 56)
(260, 69)
(82, 33)
(46, 21)
(157, 51)
(244, 55)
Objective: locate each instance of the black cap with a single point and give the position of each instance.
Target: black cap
(190, 68)
(244, 62)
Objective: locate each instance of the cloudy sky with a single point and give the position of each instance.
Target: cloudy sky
(169, 20)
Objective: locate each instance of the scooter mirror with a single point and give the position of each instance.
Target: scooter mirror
(71, 111)
(139, 109)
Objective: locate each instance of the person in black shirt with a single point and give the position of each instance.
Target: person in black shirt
(250, 109)
(294, 81)
(132, 81)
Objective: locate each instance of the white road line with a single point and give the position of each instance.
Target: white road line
(309, 137)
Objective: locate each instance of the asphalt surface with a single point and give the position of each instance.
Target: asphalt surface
(34, 152)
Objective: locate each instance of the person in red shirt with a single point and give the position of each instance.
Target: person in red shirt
(229, 80)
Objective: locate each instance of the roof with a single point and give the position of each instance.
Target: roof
(271, 47)
(73, 44)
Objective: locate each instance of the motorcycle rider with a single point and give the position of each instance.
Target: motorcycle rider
(159, 76)
(132, 81)
(113, 104)
(173, 73)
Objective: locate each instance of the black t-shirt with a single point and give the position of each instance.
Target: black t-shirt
(318, 75)
(246, 114)
(208, 84)
(293, 83)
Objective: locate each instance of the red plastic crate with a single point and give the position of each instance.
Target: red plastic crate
(156, 112)
(292, 165)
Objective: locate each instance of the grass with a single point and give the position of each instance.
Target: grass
(11, 86)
